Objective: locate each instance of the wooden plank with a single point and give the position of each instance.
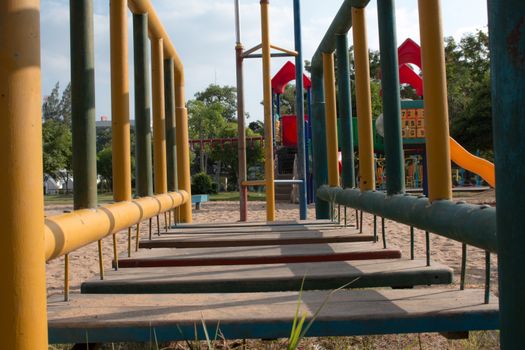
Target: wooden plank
(250, 230)
(270, 278)
(140, 318)
(255, 224)
(240, 240)
(257, 260)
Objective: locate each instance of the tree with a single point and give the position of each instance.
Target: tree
(57, 151)
(51, 108)
(104, 166)
(257, 127)
(225, 96)
(469, 95)
(65, 105)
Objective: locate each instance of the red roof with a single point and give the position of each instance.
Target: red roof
(408, 76)
(409, 52)
(284, 76)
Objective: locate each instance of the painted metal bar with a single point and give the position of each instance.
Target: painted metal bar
(100, 259)
(259, 260)
(393, 142)
(331, 119)
(267, 90)
(277, 54)
(241, 121)
(68, 232)
(463, 272)
(83, 104)
(169, 112)
(160, 180)
(345, 111)
(120, 129)
(427, 246)
(286, 51)
(143, 161)
(320, 164)
(299, 110)
(23, 320)
(487, 278)
(436, 104)
(383, 233)
(412, 243)
(506, 26)
(471, 224)
(363, 101)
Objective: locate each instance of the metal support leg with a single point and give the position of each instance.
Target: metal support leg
(411, 242)
(463, 266)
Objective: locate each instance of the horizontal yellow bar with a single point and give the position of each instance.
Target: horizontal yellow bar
(278, 48)
(254, 183)
(156, 30)
(67, 232)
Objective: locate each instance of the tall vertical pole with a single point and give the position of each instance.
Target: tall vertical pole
(169, 108)
(299, 109)
(23, 320)
(144, 173)
(241, 144)
(182, 145)
(267, 88)
(320, 164)
(436, 104)
(159, 122)
(506, 28)
(395, 164)
(345, 111)
(363, 101)
(83, 104)
(331, 119)
(120, 100)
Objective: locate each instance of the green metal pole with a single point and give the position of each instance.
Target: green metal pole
(320, 167)
(169, 103)
(507, 52)
(144, 174)
(345, 110)
(395, 164)
(83, 104)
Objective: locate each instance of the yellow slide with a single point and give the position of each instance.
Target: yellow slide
(470, 162)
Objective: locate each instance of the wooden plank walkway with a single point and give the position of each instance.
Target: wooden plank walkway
(145, 317)
(256, 224)
(401, 273)
(275, 254)
(257, 238)
(254, 229)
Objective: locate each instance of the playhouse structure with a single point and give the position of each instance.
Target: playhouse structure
(245, 278)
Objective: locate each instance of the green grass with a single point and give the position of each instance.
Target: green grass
(67, 199)
(234, 196)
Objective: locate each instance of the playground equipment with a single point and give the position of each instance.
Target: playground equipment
(211, 271)
(266, 55)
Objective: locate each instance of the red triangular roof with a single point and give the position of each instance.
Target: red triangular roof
(409, 52)
(284, 76)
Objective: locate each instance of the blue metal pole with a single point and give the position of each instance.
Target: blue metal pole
(299, 109)
(322, 208)
(507, 52)
(345, 111)
(308, 142)
(395, 164)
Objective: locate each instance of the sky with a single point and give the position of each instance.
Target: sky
(203, 33)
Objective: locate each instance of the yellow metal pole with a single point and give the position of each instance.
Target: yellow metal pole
(183, 148)
(66, 277)
(331, 119)
(267, 93)
(363, 101)
(100, 259)
(137, 237)
(120, 100)
(159, 118)
(23, 320)
(436, 105)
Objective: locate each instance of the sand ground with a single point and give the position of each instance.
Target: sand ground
(84, 262)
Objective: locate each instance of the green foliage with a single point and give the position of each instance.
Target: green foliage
(104, 165)
(57, 149)
(201, 184)
(469, 95)
(225, 96)
(257, 127)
